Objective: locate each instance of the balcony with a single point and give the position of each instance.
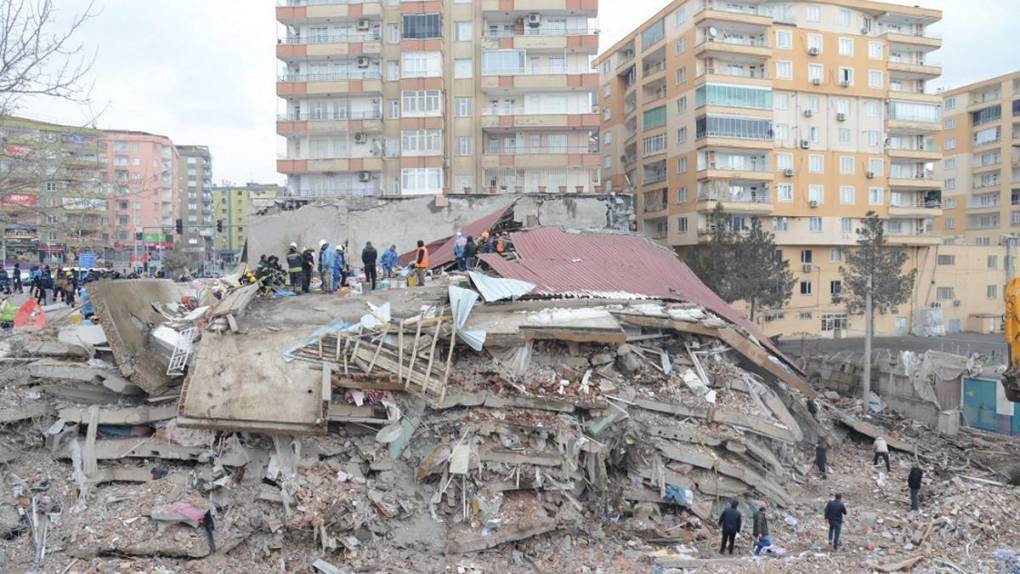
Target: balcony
(576, 7)
(723, 46)
(572, 39)
(329, 46)
(350, 82)
(327, 165)
(540, 157)
(915, 207)
(913, 69)
(911, 232)
(914, 180)
(304, 11)
(518, 118)
(913, 38)
(744, 201)
(313, 124)
(537, 79)
(734, 132)
(728, 12)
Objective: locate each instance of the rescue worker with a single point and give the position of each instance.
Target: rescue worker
(470, 253)
(500, 243)
(368, 258)
(17, 278)
(58, 285)
(761, 530)
(458, 251)
(484, 246)
(389, 260)
(835, 510)
(42, 282)
(307, 266)
(821, 458)
(326, 266)
(730, 522)
(7, 313)
(881, 451)
(294, 266)
(421, 263)
(70, 286)
(339, 268)
(914, 484)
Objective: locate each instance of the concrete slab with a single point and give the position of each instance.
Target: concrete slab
(242, 383)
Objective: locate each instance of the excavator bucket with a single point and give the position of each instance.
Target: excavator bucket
(1011, 384)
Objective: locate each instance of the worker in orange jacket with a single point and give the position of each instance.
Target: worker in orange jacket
(421, 263)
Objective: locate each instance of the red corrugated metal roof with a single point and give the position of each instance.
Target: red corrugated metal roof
(606, 264)
(441, 250)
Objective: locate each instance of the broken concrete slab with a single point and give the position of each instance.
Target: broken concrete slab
(114, 449)
(121, 416)
(82, 335)
(476, 542)
(873, 432)
(24, 412)
(85, 373)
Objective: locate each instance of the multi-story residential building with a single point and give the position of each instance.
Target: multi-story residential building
(409, 98)
(232, 205)
(52, 193)
(196, 203)
(980, 167)
(804, 114)
(142, 169)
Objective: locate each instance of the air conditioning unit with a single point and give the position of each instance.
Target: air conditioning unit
(364, 177)
(956, 303)
(360, 138)
(534, 19)
(814, 51)
(840, 117)
(788, 172)
(870, 175)
(816, 81)
(805, 144)
(364, 25)
(845, 83)
(812, 204)
(808, 268)
(362, 62)
(864, 31)
(808, 113)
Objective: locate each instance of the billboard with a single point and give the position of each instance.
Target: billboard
(83, 203)
(22, 199)
(18, 150)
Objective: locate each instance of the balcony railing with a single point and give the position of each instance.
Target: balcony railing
(925, 175)
(539, 150)
(544, 31)
(538, 71)
(761, 197)
(340, 191)
(504, 111)
(333, 76)
(322, 2)
(333, 116)
(337, 38)
(916, 204)
(653, 69)
(723, 6)
(738, 41)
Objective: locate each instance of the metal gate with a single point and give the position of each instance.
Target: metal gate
(979, 403)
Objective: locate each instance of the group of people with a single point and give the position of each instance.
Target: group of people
(835, 509)
(466, 249)
(63, 284)
(334, 266)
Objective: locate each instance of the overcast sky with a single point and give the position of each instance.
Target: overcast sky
(203, 71)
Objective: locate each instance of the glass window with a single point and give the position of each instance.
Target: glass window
(846, 195)
(653, 34)
(463, 68)
(846, 165)
(814, 42)
(654, 118)
(814, 13)
(876, 79)
(418, 26)
(780, 101)
(816, 193)
(876, 165)
(503, 62)
(784, 192)
(876, 196)
(464, 145)
(784, 161)
(816, 164)
(733, 96)
(463, 31)
(421, 64)
(734, 127)
(464, 106)
(815, 224)
(876, 51)
(784, 70)
(784, 39)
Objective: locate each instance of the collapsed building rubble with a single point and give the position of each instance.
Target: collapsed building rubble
(521, 419)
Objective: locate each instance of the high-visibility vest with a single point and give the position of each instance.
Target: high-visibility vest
(423, 254)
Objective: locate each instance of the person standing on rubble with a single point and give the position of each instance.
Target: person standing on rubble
(389, 260)
(339, 269)
(41, 283)
(307, 266)
(326, 266)
(470, 253)
(835, 510)
(821, 458)
(914, 484)
(761, 530)
(730, 522)
(369, 256)
(421, 263)
(881, 451)
(294, 266)
(17, 278)
(458, 251)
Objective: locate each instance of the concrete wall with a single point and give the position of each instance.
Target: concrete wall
(386, 221)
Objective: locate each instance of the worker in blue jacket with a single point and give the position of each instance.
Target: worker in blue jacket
(339, 268)
(389, 260)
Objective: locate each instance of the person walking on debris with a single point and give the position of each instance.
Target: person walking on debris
(761, 530)
(41, 283)
(339, 273)
(368, 258)
(835, 510)
(326, 266)
(470, 253)
(821, 458)
(307, 266)
(388, 261)
(881, 451)
(70, 287)
(294, 266)
(458, 251)
(421, 262)
(914, 484)
(730, 522)
(17, 279)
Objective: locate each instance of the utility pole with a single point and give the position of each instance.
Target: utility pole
(869, 328)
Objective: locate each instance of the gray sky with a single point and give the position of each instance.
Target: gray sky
(203, 71)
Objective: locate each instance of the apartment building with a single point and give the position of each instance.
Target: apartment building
(232, 206)
(52, 194)
(980, 167)
(142, 169)
(804, 114)
(196, 202)
(393, 97)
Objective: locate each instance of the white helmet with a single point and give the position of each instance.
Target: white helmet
(321, 243)
(294, 245)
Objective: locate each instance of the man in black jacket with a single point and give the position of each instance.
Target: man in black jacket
(307, 266)
(835, 510)
(368, 258)
(821, 458)
(730, 522)
(914, 483)
(294, 267)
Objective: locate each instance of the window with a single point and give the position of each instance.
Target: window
(463, 106)
(816, 164)
(949, 123)
(846, 165)
(950, 203)
(681, 135)
(836, 254)
(992, 291)
(418, 26)
(846, 195)
(681, 195)
(784, 39)
(844, 17)
(463, 31)
(814, 42)
(393, 33)
(815, 72)
(392, 70)
(654, 118)
(680, 45)
(681, 165)
(993, 261)
(814, 13)
(876, 50)
(876, 196)
(806, 256)
(464, 145)
(835, 321)
(503, 62)
(816, 194)
(949, 223)
(846, 225)
(421, 65)
(681, 76)
(780, 224)
(784, 192)
(949, 144)
(463, 68)
(784, 161)
(607, 138)
(805, 287)
(947, 260)
(682, 224)
(846, 76)
(945, 293)
(875, 79)
(418, 103)
(782, 132)
(784, 70)
(813, 134)
(654, 144)
(733, 96)
(607, 162)
(815, 224)
(734, 127)
(780, 101)
(876, 165)
(681, 104)
(874, 138)
(812, 103)
(653, 33)
(607, 90)
(872, 109)
(844, 136)
(421, 142)
(949, 184)
(422, 180)
(680, 15)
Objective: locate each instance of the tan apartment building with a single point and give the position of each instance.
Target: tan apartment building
(980, 167)
(440, 96)
(196, 203)
(805, 114)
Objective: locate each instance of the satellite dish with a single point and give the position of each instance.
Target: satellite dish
(711, 31)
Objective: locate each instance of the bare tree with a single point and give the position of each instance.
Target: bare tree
(39, 56)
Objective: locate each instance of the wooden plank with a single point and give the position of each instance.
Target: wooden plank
(89, 451)
(432, 354)
(382, 339)
(764, 359)
(327, 382)
(449, 360)
(574, 334)
(414, 352)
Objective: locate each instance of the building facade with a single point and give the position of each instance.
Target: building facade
(196, 202)
(232, 206)
(441, 96)
(52, 194)
(142, 169)
(980, 167)
(805, 115)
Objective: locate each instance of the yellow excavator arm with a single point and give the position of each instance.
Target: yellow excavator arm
(1011, 329)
